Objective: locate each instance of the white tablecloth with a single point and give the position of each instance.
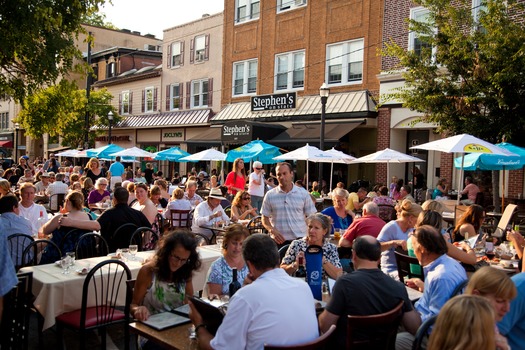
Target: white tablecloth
(57, 293)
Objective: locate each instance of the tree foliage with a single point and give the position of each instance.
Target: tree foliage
(98, 19)
(60, 110)
(469, 76)
(37, 44)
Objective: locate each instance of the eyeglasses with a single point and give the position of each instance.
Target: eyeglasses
(179, 260)
(259, 168)
(246, 198)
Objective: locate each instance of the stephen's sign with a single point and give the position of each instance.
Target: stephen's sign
(236, 132)
(271, 102)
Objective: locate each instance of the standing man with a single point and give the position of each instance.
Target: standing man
(256, 185)
(28, 208)
(255, 315)
(286, 207)
(116, 170)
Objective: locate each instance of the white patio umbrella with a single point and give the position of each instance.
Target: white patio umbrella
(208, 154)
(133, 152)
(387, 156)
(463, 143)
(339, 157)
(82, 154)
(67, 153)
(308, 153)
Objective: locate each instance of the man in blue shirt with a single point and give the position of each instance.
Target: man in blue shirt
(442, 275)
(116, 170)
(513, 323)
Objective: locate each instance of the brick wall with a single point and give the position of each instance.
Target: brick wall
(383, 141)
(395, 28)
(515, 182)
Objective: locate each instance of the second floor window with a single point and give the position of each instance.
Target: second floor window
(200, 48)
(176, 54)
(345, 62)
(246, 10)
(244, 77)
(125, 102)
(199, 93)
(283, 5)
(418, 14)
(4, 120)
(174, 93)
(149, 99)
(289, 71)
(111, 70)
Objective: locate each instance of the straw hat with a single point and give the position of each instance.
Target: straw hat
(216, 193)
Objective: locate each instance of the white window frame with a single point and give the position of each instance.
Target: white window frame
(415, 13)
(124, 104)
(199, 93)
(344, 54)
(149, 99)
(175, 97)
(252, 10)
(286, 5)
(477, 7)
(200, 48)
(176, 52)
(248, 75)
(286, 65)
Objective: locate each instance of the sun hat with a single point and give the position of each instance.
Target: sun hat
(216, 193)
(45, 174)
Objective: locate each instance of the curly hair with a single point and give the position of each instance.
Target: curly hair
(167, 244)
(237, 200)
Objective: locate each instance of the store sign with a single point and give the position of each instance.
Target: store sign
(237, 131)
(169, 135)
(273, 102)
(125, 138)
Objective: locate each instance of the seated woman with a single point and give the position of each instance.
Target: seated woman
(441, 190)
(469, 224)
(220, 273)
(341, 218)
(178, 202)
(164, 283)
(99, 195)
(318, 226)
(155, 194)
(143, 203)
(131, 189)
(5, 188)
(163, 185)
(72, 216)
(242, 206)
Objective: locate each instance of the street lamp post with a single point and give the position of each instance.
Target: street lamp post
(17, 127)
(324, 91)
(110, 118)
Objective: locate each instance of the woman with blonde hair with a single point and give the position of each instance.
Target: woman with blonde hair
(236, 179)
(466, 322)
(242, 207)
(395, 234)
(143, 203)
(93, 170)
(131, 190)
(5, 188)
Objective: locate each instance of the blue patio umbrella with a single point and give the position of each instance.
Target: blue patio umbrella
(172, 154)
(254, 150)
(104, 151)
(488, 161)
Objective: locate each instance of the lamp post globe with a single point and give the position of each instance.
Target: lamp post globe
(110, 119)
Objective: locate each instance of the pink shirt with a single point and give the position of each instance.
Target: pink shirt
(471, 190)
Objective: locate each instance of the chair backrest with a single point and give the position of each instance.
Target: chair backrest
(255, 226)
(387, 212)
(282, 251)
(459, 210)
(121, 236)
(179, 218)
(33, 253)
(460, 289)
(508, 213)
(102, 287)
(422, 332)
(319, 343)
(16, 244)
(145, 238)
(403, 262)
(382, 327)
(91, 245)
(70, 240)
(228, 211)
(56, 201)
(16, 314)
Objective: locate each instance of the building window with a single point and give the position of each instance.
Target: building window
(111, 70)
(149, 99)
(478, 7)
(174, 101)
(244, 77)
(176, 54)
(418, 14)
(199, 93)
(246, 10)
(289, 71)
(125, 103)
(4, 120)
(283, 5)
(345, 62)
(200, 48)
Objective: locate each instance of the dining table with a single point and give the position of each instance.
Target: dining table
(174, 338)
(56, 293)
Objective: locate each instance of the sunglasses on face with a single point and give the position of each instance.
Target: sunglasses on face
(245, 198)
(259, 168)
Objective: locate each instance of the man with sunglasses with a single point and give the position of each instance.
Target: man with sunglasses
(256, 185)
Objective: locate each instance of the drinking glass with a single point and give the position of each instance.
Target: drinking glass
(71, 256)
(219, 241)
(133, 248)
(64, 263)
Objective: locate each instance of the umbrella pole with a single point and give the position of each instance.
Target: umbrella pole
(460, 176)
(331, 175)
(306, 184)
(503, 191)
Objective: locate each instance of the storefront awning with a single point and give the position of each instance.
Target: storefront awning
(6, 144)
(310, 133)
(340, 105)
(197, 117)
(212, 135)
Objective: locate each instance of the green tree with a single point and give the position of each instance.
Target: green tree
(98, 19)
(60, 110)
(37, 42)
(468, 77)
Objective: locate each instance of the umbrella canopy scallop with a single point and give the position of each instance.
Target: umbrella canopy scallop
(254, 150)
(172, 154)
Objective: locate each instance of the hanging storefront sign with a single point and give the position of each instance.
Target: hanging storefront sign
(275, 101)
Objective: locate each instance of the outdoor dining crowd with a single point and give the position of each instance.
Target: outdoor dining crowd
(265, 226)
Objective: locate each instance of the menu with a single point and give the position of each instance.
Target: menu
(165, 320)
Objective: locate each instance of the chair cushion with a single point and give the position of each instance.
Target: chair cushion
(106, 315)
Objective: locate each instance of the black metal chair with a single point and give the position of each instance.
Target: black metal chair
(121, 236)
(422, 332)
(33, 253)
(55, 202)
(68, 243)
(145, 238)
(319, 343)
(90, 245)
(403, 262)
(159, 224)
(16, 243)
(255, 226)
(228, 211)
(387, 212)
(282, 251)
(16, 313)
(179, 218)
(460, 288)
(102, 286)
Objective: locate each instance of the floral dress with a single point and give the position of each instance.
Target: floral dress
(221, 273)
(164, 296)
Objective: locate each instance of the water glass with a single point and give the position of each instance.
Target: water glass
(219, 241)
(64, 263)
(133, 248)
(71, 256)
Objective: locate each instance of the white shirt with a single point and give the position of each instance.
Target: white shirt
(201, 217)
(275, 309)
(56, 187)
(253, 188)
(33, 214)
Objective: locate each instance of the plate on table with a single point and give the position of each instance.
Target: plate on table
(114, 256)
(83, 271)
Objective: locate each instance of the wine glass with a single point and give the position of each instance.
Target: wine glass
(71, 256)
(64, 263)
(133, 248)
